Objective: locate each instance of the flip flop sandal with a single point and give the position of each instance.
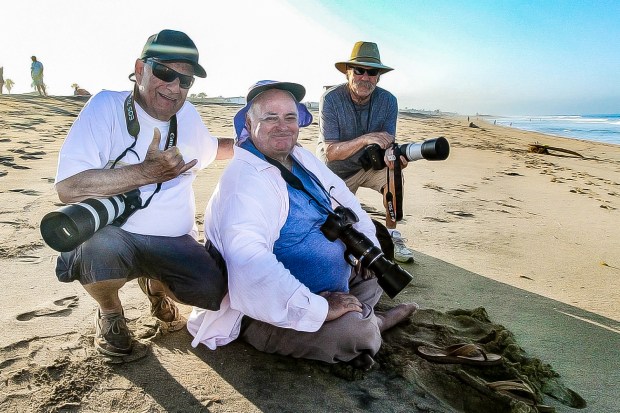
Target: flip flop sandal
(462, 353)
(520, 391)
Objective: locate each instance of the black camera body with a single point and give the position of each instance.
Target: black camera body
(71, 225)
(436, 149)
(390, 276)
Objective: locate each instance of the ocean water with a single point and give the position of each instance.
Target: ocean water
(599, 128)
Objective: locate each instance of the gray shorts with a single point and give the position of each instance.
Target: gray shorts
(195, 273)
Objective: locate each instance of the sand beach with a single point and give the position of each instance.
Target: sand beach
(516, 250)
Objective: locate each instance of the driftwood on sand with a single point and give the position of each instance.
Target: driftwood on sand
(544, 149)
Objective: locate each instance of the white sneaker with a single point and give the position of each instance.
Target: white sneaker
(401, 252)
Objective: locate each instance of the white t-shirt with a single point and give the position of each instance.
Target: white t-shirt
(99, 135)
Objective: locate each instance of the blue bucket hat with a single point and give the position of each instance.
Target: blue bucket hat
(297, 90)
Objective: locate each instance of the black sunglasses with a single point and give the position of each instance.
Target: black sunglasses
(163, 72)
(361, 70)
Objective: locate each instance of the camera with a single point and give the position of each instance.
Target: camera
(436, 149)
(71, 225)
(339, 225)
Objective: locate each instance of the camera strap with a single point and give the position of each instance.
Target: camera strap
(291, 179)
(133, 128)
(398, 183)
(394, 190)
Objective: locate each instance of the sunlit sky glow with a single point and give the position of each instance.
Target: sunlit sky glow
(493, 57)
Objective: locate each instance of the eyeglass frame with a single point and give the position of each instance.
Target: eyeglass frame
(153, 63)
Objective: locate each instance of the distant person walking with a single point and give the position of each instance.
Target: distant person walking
(36, 72)
(1, 79)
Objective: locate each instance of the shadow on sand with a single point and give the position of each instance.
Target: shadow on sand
(542, 343)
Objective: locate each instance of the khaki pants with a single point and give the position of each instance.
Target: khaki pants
(372, 179)
(341, 339)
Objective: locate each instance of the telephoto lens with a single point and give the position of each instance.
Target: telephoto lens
(390, 276)
(66, 228)
(436, 149)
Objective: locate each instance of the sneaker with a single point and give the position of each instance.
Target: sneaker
(112, 336)
(401, 252)
(163, 307)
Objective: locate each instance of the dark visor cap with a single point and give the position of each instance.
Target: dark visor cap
(173, 46)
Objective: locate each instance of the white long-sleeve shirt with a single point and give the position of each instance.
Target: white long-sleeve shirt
(243, 220)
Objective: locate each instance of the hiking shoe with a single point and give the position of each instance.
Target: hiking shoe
(163, 307)
(401, 252)
(112, 336)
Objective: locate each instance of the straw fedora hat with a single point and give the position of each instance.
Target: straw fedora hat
(365, 54)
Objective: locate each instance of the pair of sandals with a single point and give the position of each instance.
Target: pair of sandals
(462, 353)
(472, 354)
(518, 390)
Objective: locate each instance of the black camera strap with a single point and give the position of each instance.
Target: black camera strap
(291, 179)
(394, 187)
(133, 128)
(398, 183)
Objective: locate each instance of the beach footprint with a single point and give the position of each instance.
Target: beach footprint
(461, 214)
(30, 259)
(31, 192)
(63, 307)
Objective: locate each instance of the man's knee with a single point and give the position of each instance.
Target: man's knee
(203, 283)
(207, 294)
(108, 241)
(362, 334)
(104, 256)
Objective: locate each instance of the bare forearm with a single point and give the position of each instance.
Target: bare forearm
(337, 151)
(101, 183)
(158, 166)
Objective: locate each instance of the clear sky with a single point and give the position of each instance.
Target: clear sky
(500, 57)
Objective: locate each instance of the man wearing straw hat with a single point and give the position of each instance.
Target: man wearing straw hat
(353, 116)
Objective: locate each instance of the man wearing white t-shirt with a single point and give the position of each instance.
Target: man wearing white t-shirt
(152, 140)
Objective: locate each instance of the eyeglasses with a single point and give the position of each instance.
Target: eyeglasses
(163, 72)
(361, 70)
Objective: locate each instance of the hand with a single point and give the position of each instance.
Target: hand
(383, 139)
(161, 166)
(364, 272)
(389, 159)
(340, 304)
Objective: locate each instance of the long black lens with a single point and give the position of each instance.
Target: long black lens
(390, 276)
(71, 225)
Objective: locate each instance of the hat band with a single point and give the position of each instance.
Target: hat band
(366, 59)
